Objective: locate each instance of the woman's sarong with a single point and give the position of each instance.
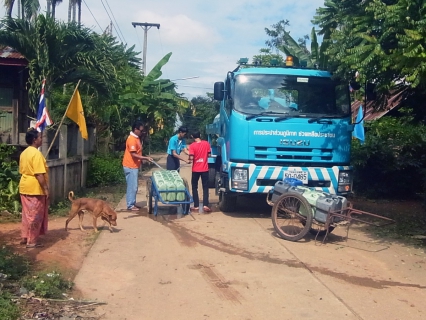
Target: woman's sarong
(34, 217)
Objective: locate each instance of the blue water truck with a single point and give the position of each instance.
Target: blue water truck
(276, 122)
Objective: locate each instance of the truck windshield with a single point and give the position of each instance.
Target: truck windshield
(291, 95)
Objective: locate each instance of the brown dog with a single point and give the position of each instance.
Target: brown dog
(99, 208)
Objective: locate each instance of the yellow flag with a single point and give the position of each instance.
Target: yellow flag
(76, 114)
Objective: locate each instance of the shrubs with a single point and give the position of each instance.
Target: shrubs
(9, 180)
(391, 162)
(105, 169)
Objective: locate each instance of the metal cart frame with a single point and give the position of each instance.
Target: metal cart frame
(154, 194)
(293, 208)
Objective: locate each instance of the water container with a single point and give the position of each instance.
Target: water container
(180, 196)
(283, 186)
(312, 195)
(329, 203)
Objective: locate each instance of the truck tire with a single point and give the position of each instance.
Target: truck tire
(186, 205)
(227, 202)
(212, 176)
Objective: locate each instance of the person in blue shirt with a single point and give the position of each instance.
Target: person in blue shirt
(176, 145)
(267, 102)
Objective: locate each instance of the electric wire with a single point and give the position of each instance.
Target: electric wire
(111, 21)
(139, 39)
(92, 15)
(112, 13)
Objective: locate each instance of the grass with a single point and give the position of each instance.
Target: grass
(45, 283)
(8, 309)
(409, 216)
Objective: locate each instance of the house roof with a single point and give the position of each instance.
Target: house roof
(370, 109)
(11, 57)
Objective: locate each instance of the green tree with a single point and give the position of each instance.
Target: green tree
(202, 111)
(281, 40)
(382, 40)
(60, 53)
(27, 9)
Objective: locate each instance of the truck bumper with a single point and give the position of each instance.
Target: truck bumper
(261, 179)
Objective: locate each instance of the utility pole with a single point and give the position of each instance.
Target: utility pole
(146, 26)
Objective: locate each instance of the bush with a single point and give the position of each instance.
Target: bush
(106, 169)
(13, 265)
(8, 309)
(391, 162)
(47, 285)
(9, 180)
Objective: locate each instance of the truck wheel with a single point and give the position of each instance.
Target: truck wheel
(227, 202)
(185, 206)
(212, 176)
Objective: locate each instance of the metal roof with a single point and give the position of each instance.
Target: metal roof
(370, 109)
(9, 56)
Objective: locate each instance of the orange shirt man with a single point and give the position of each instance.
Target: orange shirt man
(132, 161)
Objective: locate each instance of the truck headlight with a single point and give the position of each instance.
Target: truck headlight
(239, 178)
(345, 182)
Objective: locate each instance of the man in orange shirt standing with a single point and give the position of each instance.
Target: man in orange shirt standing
(132, 161)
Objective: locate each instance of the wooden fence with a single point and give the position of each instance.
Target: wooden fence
(68, 160)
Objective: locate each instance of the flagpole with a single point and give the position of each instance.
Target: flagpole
(62, 120)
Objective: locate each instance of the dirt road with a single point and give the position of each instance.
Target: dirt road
(223, 266)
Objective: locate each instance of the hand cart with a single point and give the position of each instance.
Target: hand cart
(293, 217)
(154, 195)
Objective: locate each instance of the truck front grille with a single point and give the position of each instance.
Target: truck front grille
(293, 154)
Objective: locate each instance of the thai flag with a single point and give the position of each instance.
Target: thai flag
(43, 118)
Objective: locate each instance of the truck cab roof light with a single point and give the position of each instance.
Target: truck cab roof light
(243, 61)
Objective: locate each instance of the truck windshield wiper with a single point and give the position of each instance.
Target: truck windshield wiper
(265, 113)
(286, 117)
(323, 119)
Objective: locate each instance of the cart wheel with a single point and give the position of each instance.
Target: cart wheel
(185, 206)
(292, 216)
(149, 195)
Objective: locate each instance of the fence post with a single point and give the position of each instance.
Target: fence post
(63, 154)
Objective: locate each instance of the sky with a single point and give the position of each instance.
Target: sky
(206, 38)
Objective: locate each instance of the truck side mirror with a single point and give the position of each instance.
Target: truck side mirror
(219, 91)
(370, 91)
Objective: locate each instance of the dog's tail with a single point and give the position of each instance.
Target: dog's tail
(71, 196)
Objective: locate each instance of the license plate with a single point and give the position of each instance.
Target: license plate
(301, 175)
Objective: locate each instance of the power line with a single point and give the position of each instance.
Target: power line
(115, 20)
(194, 87)
(92, 15)
(111, 20)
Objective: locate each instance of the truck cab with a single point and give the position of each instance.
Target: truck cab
(280, 122)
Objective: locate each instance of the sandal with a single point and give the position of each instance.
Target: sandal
(207, 209)
(133, 209)
(35, 245)
(194, 209)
